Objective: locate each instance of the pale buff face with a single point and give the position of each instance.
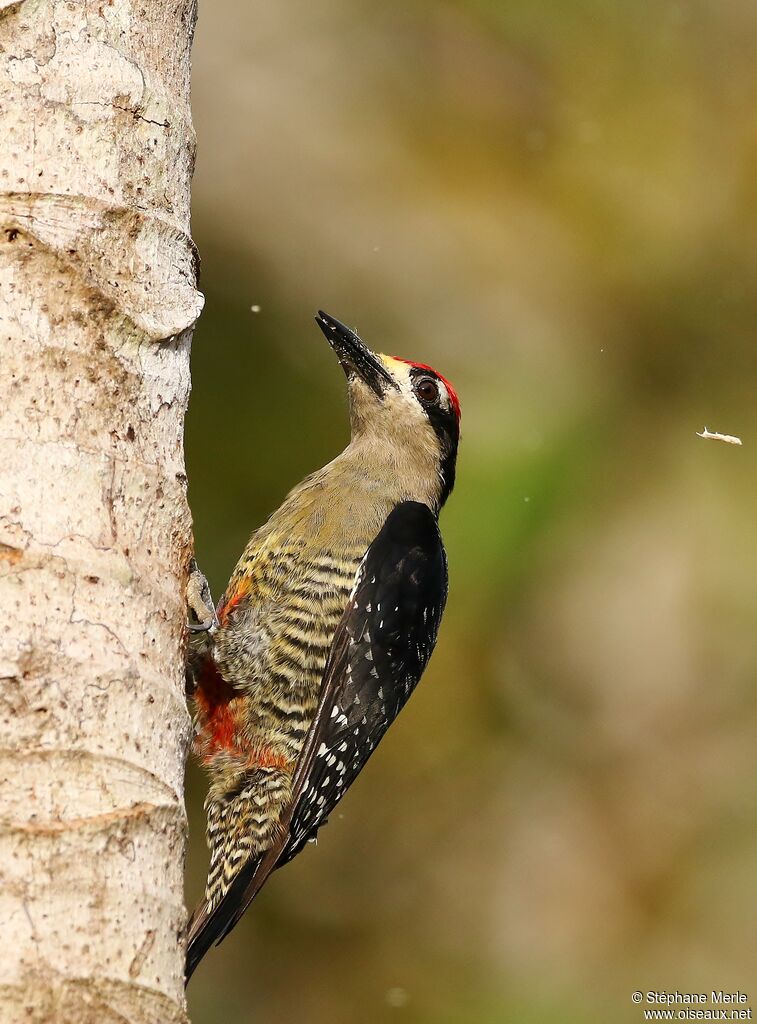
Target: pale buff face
(399, 416)
(394, 432)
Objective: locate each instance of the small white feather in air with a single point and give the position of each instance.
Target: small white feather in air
(728, 438)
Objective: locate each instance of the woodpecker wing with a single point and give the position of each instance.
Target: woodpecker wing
(379, 651)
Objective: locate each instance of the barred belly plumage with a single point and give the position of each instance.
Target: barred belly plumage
(278, 618)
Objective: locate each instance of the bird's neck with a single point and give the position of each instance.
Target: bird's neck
(389, 472)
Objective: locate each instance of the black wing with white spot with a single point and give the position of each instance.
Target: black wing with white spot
(379, 652)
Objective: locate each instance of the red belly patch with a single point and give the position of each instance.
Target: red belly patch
(214, 698)
(218, 710)
(266, 757)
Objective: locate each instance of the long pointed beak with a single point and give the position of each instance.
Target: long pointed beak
(355, 357)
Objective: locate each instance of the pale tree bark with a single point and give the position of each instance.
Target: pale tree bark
(97, 302)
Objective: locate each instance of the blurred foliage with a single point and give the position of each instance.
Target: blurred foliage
(553, 203)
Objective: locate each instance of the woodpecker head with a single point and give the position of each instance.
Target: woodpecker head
(405, 407)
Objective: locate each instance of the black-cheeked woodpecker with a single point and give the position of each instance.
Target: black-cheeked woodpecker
(324, 629)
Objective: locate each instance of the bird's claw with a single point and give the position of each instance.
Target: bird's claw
(201, 627)
(200, 602)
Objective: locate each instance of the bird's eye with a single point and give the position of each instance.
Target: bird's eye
(427, 389)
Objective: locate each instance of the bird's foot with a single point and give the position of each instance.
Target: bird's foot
(202, 623)
(200, 602)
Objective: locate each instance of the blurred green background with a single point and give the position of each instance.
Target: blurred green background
(554, 204)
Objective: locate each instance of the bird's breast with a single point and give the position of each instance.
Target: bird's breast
(256, 700)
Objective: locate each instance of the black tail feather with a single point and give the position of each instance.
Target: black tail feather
(209, 927)
(202, 935)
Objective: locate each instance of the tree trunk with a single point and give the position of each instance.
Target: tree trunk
(97, 302)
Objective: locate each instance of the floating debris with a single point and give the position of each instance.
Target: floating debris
(710, 436)
(397, 997)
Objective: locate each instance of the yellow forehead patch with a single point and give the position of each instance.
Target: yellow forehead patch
(399, 368)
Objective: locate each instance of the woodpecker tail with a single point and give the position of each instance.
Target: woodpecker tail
(209, 925)
(201, 938)
(206, 928)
